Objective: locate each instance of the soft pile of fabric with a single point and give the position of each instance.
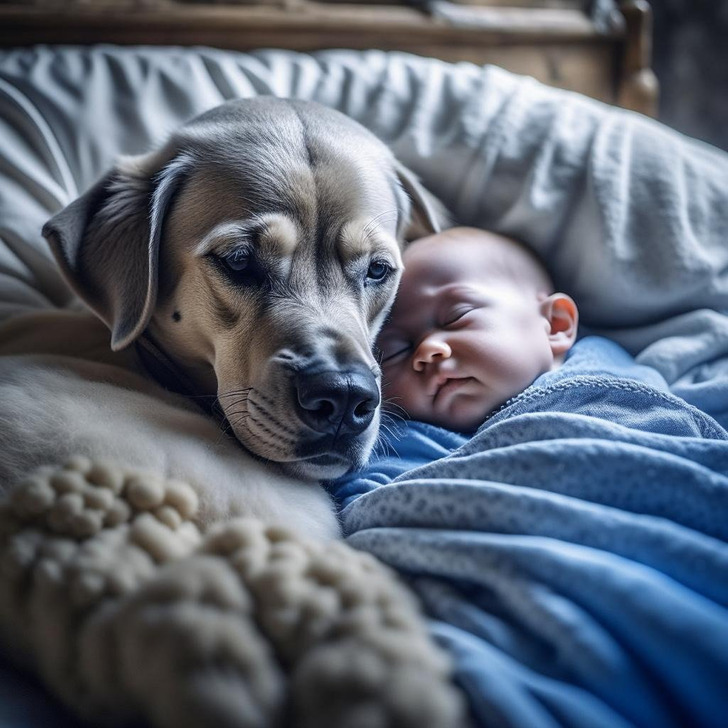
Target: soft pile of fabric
(110, 591)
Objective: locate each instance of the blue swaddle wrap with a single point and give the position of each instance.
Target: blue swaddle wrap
(572, 554)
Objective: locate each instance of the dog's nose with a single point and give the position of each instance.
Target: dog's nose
(335, 402)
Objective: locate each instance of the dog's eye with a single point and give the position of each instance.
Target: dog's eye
(378, 270)
(241, 267)
(237, 261)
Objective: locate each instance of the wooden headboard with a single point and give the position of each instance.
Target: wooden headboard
(555, 41)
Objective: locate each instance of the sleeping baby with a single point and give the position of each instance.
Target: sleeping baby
(475, 321)
(477, 334)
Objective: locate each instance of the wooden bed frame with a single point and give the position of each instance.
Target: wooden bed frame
(553, 40)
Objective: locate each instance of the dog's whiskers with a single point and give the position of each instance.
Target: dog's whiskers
(388, 423)
(275, 420)
(201, 396)
(271, 425)
(393, 411)
(376, 220)
(272, 439)
(388, 444)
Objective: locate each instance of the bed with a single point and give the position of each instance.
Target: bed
(560, 602)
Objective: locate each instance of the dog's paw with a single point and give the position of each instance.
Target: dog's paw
(350, 634)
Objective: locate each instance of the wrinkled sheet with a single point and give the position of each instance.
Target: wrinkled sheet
(633, 220)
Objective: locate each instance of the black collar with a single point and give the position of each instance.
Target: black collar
(165, 372)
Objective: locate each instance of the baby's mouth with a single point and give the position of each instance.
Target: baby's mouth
(449, 386)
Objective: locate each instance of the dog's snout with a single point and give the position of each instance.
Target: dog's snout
(333, 402)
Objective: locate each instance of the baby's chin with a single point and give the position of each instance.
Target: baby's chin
(464, 412)
(466, 426)
(465, 419)
(468, 412)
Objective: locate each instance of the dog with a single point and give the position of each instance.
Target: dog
(249, 262)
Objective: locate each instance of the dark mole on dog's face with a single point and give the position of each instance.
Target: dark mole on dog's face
(176, 316)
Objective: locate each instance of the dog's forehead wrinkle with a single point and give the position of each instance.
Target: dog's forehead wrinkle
(365, 238)
(243, 142)
(214, 205)
(271, 185)
(275, 187)
(245, 123)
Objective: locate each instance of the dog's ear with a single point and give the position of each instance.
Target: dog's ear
(427, 214)
(107, 241)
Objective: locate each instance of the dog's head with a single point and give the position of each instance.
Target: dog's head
(260, 250)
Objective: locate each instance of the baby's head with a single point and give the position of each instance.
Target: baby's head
(475, 321)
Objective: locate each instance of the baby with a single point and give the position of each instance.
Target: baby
(475, 322)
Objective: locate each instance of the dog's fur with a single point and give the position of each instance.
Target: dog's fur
(256, 254)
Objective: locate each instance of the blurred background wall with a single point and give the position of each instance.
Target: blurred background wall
(690, 55)
(690, 58)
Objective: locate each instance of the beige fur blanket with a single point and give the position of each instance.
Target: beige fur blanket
(128, 611)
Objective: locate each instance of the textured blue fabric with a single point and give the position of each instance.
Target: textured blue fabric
(572, 554)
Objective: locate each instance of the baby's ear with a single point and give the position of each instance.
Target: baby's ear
(563, 317)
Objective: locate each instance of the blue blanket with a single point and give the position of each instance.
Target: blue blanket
(572, 554)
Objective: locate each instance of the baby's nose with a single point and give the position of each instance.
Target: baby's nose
(430, 349)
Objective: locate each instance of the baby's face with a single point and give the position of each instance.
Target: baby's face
(460, 342)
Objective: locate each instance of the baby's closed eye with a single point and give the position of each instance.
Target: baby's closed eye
(392, 350)
(455, 314)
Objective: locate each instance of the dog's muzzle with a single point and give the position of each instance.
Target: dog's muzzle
(337, 403)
